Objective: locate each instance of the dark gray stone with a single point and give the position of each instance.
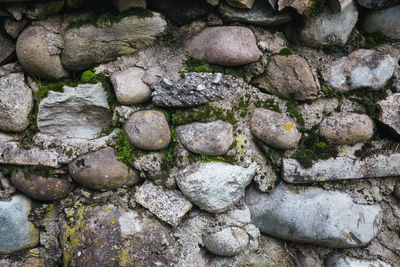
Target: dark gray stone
(7, 49)
(374, 4)
(385, 21)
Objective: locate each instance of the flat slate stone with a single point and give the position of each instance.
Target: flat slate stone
(168, 205)
(88, 112)
(12, 153)
(16, 231)
(314, 216)
(342, 168)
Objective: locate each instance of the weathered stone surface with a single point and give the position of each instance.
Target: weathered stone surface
(260, 14)
(214, 186)
(41, 188)
(168, 205)
(10, 68)
(338, 5)
(109, 235)
(88, 112)
(213, 2)
(102, 170)
(12, 153)
(34, 55)
(16, 232)
(290, 76)
(42, 10)
(7, 49)
(314, 216)
(213, 138)
(390, 108)
(148, 130)
(347, 128)
(329, 28)
(241, 3)
(303, 7)
(229, 241)
(274, 128)
(336, 260)
(16, 103)
(382, 20)
(341, 168)
(313, 113)
(396, 191)
(89, 45)
(129, 87)
(228, 46)
(195, 89)
(123, 5)
(149, 166)
(14, 27)
(362, 68)
(373, 4)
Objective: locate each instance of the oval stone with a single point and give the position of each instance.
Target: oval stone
(347, 128)
(102, 170)
(229, 241)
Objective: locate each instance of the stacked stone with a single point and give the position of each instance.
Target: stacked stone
(200, 167)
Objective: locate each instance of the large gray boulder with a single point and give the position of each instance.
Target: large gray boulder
(314, 216)
(88, 112)
(214, 186)
(385, 21)
(35, 54)
(227, 46)
(361, 69)
(16, 103)
(89, 44)
(16, 231)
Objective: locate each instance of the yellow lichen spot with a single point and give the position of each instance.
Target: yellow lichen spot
(107, 208)
(113, 222)
(344, 152)
(160, 141)
(315, 234)
(196, 140)
(124, 257)
(148, 112)
(288, 126)
(322, 180)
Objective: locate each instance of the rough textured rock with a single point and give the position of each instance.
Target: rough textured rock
(329, 28)
(129, 87)
(109, 235)
(230, 241)
(228, 46)
(195, 89)
(168, 205)
(34, 55)
(274, 128)
(346, 128)
(382, 20)
(102, 170)
(149, 166)
(390, 108)
(123, 5)
(12, 153)
(338, 5)
(360, 69)
(14, 27)
(41, 188)
(290, 76)
(336, 221)
(396, 191)
(7, 49)
(341, 168)
(213, 138)
(303, 7)
(336, 260)
(89, 45)
(88, 112)
(214, 186)
(16, 103)
(16, 232)
(241, 3)
(372, 4)
(259, 14)
(39, 11)
(148, 130)
(313, 113)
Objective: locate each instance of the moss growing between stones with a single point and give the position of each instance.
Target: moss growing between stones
(193, 158)
(40, 170)
(332, 93)
(374, 39)
(268, 104)
(294, 112)
(286, 52)
(317, 6)
(124, 149)
(199, 65)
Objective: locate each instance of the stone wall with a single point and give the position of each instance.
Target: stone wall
(200, 133)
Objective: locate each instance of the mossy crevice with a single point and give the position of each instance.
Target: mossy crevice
(286, 52)
(200, 65)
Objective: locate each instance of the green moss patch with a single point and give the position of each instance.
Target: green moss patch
(286, 52)
(372, 40)
(199, 65)
(293, 111)
(268, 104)
(332, 93)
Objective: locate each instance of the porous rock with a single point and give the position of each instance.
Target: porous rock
(274, 128)
(214, 186)
(148, 130)
(149, 166)
(102, 170)
(13, 153)
(229, 241)
(88, 112)
(228, 46)
(290, 76)
(336, 222)
(389, 110)
(213, 138)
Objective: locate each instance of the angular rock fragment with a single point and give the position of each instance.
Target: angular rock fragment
(290, 76)
(303, 7)
(150, 166)
(385, 21)
(213, 138)
(168, 205)
(16, 231)
(214, 186)
(12, 153)
(342, 168)
(16, 103)
(87, 112)
(360, 69)
(227, 46)
(195, 89)
(389, 110)
(102, 170)
(229, 241)
(314, 216)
